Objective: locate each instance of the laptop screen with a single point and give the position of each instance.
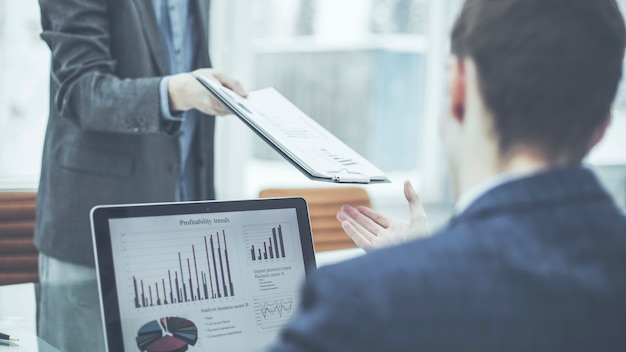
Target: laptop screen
(200, 276)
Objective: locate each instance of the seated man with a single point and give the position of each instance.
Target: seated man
(535, 257)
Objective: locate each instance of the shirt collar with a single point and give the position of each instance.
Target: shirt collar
(470, 196)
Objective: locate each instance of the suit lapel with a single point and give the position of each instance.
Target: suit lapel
(145, 12)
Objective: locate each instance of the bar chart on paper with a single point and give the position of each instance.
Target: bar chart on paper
(268, 242)
(180, 269)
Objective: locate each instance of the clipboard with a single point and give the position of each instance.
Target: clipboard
(307, 145)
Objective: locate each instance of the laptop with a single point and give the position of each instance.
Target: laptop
(200, 276)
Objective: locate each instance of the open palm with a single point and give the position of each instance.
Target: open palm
(371, 230)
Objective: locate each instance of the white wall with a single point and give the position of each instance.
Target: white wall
(24, 70)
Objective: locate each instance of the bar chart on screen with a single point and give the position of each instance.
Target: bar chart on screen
(268, 242)
(182, 270)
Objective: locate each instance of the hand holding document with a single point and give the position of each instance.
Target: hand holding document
(301, 140)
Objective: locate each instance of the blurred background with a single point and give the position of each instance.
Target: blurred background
(370, 71)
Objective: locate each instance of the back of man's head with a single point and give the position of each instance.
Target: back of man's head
(548, 69)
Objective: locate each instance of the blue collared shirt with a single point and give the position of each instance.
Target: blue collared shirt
(175, 22)
(176, 25)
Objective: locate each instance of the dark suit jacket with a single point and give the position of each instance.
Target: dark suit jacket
(105, 141)
(538, 264)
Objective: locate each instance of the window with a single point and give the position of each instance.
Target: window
(360, 68)
(356, 67)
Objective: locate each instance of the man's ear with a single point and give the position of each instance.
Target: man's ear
(458, 89)
(602, 131)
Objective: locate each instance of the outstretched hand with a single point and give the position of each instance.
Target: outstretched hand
(371, 230)
(186, 93)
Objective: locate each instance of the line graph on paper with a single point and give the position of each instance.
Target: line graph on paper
(273, 312)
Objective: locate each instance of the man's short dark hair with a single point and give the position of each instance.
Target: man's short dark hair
(548, 69)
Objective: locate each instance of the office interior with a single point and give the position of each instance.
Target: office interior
(373, 72)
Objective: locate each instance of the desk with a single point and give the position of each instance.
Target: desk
(332, 257)
(18, 308)
(17, 318)
(29, 342)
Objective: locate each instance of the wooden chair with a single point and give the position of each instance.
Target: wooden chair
(18, 256)
(324, 203)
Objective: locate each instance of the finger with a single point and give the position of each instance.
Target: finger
(415, 205)
(419, 219)
(220, 109)
(363, 220)
(213, 106)
(231, 83)
(208, 75)
(237, 87)
(374, 216)
(360, 240)
(345, 217)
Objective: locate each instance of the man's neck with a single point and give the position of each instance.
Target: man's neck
(484, 186)
(519, 162)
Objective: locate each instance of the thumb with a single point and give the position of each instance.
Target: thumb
(415, 205)
(231, 83)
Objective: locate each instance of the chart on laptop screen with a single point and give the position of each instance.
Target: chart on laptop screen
(205, 282)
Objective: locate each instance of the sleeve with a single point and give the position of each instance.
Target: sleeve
(83, 71)
(166, 113)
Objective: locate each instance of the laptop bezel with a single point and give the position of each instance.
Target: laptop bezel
(103, 254)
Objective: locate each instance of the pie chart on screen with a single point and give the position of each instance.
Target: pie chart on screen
(170, 334)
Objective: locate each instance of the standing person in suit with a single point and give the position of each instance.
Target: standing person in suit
(535, 257)
(127, 124)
